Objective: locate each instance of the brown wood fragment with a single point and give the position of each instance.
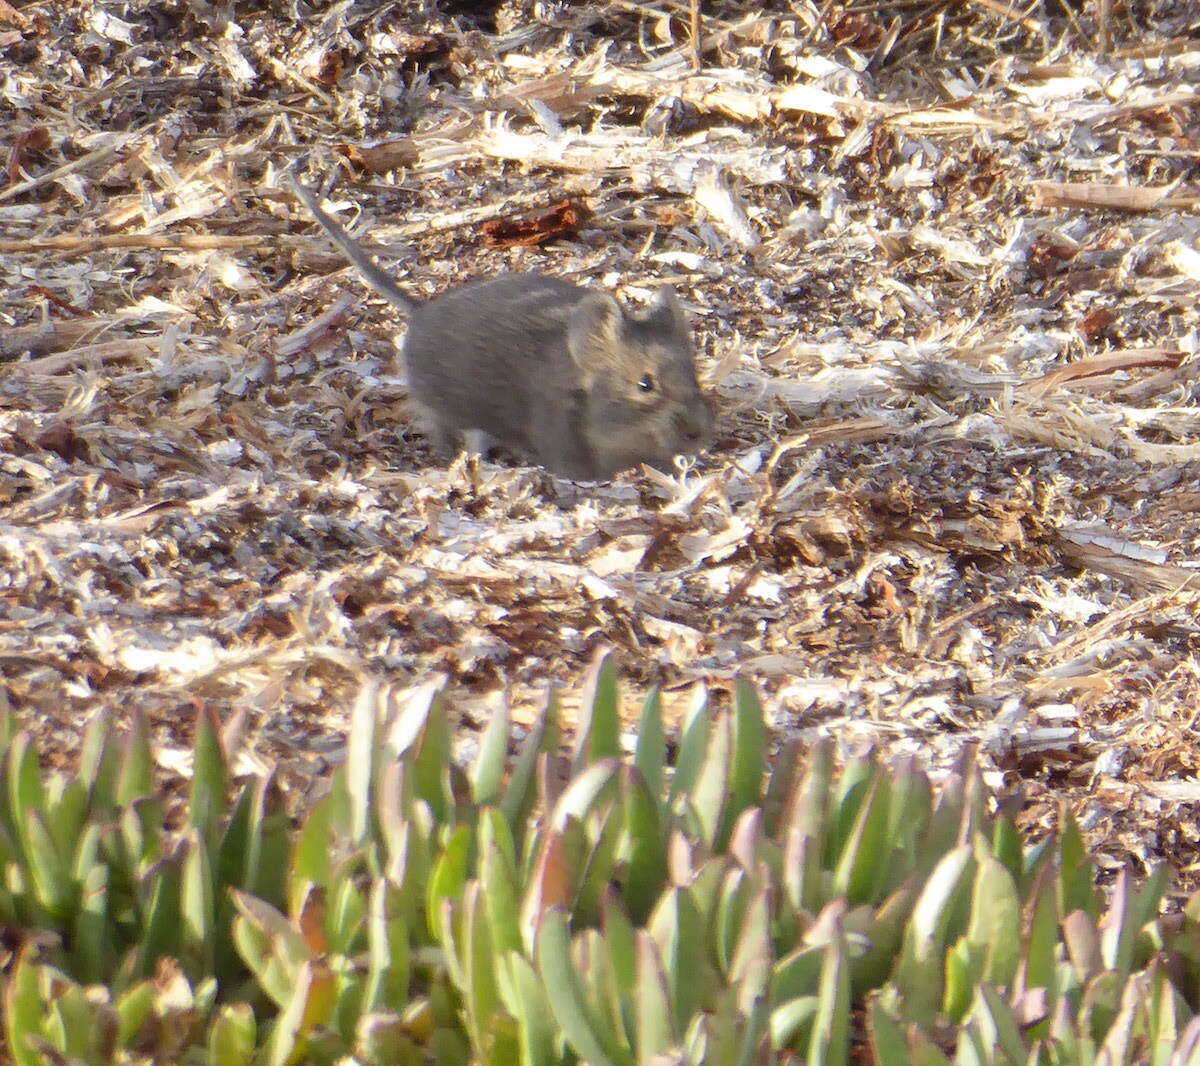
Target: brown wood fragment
(27, 142)
(61, 438)
(1095, 323)
(694, 23)
(326, 68)
(54, 298)
(563, 218)
(1109, 363)
(382, 158)
(1103, 29)
(11, 15)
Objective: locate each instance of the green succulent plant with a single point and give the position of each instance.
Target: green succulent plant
(733, 908)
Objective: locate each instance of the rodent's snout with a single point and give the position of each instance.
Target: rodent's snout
(696, 427)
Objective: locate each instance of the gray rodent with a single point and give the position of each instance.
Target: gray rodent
(558, 373)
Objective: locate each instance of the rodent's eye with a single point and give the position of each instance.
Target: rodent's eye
(647, 383)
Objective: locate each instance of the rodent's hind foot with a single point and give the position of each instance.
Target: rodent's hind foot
(477, 442)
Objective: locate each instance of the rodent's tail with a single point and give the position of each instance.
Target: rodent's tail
(372, 273)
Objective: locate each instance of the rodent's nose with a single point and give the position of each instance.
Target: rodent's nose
(695, 427)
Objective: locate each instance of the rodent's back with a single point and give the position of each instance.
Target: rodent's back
(492, 355)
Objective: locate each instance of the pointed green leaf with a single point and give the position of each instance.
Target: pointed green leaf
(136, 777)
(918, 975)
(431, 753)
(24, 779)
(831, 1028)
(910, 806)
(361, 747)
(487, 773)
(387, 949)
(345, 916)
(313, 858)
(793, 1020)
(196, 909)
(998, 1025)
(481, 994)
(851, 789)
(519, 795)
(693, 742)
(598, 730)
(537, 1034)
(1039, 934)
(655, 1033)
(749, 752)
(587, 791)
(449, 877)
(232, 1036)
(135, 1014)
(884, 936)
(66, 814)
(99, 764)
(619, 939)
(269, 945)
(962, 973)
(887, 1042)
(73, 1025)
(1076, 872)
(866, 855)
(498, 879)
(48, 868)
(579, 1022)
(308, 1006)
(644, 851)
(92, 940)
(710, 794)
(210, 784)
(650, 754)
(160, 888)
(678, 930)
(995, 924)
(750, 968)
(797, 975)
(141, 832)
(613, 1002)
(23, 1010)
(1167, 1017)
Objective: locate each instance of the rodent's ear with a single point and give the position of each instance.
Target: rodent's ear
(667, 313)
(595, 332)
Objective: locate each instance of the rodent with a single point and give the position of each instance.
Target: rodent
(558, 373)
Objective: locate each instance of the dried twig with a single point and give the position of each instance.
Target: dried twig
(1109, 197)
(695, 33)
(193, 242)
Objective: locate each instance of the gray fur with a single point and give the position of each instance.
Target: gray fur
(558, 373)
